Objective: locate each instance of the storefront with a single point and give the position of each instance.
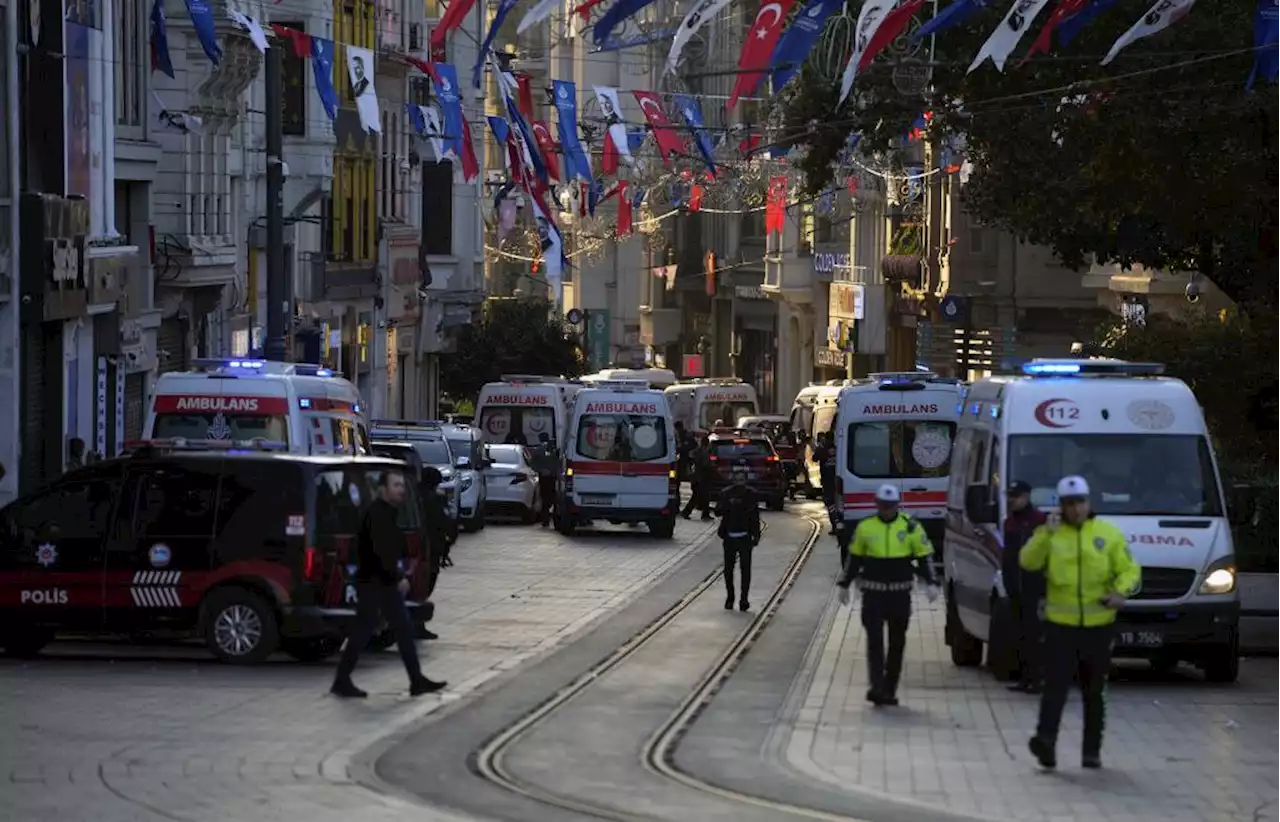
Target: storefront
(755, 337)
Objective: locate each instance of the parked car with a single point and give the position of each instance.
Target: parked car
(428, 439)
(513, 484)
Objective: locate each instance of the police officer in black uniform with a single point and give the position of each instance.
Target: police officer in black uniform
(701, 479)
(739, 510)
(546, 461)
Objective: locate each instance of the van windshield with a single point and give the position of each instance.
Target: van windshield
(219, 425)
(1128, 474)
(522, 425)
(726, 413)
(622, 437)
(900, 449)
(343, 496)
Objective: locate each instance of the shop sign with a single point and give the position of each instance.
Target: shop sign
(825, 262)
(828, 358)
(846, 301)
(749, 292)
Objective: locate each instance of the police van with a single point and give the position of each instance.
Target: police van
(309, 408)
(896, 428)
(620, 459)
(1140, 441)
(702, 404)
(521, 407)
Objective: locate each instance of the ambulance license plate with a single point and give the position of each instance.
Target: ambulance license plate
(1140, 639)
(597, 499)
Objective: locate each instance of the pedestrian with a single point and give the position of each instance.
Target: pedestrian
(546, 461)
(886, 551)
(380, 590)
(739, 510)
(436, 538)
(700, 481)
(1088, 573)
(825, 455)
(1025, 588)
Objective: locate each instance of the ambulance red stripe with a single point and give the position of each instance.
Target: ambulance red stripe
(227, 404)
(608, 467)
(910, 499)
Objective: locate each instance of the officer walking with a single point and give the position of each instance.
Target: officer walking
(886, 551)
(1089, 573)
(739, 510)
(825, 455)
(700, 480)
(1025, 588)
(381, 588)
(546, 461)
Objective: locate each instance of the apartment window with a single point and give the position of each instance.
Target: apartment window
(293, 74)
(437, 208)
(133, 60)
(208, 185)
(977, 241)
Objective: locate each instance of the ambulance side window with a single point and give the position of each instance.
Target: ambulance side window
(995, 481)
(978, 460)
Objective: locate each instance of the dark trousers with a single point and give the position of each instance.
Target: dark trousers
(1083, 654)
(377, 601)
(1030, 636)
(697, 499)
(737, 550)
(881, 610)
(547, 496)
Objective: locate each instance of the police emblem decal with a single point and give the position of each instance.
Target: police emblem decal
(47, 554)
(160, 555)
(1099, 543)
(902, 536)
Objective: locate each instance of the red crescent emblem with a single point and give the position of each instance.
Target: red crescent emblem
(1058, 412)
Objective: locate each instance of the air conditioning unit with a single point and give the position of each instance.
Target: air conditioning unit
(415, 37)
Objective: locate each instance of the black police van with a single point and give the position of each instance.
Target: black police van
(251, 551)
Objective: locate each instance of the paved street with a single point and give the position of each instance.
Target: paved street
(164, 735)
(1176, 749)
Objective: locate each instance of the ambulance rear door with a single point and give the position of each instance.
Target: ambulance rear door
(519, 414)
(624, 450)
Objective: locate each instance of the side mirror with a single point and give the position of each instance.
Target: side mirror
(462, 463)
(979, 506)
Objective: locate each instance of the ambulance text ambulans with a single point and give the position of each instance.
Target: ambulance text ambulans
(522, 407)
(620, 459)
(896, 428)
(701, 404)
(308, 407)
(1140, 441)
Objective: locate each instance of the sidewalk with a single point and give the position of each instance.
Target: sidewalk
(1176, 749)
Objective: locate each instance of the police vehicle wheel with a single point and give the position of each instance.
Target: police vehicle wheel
(311, 650)
(240, 627)
(27, 642)
(966, 649)
(1222, 664)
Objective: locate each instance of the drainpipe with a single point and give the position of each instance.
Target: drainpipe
(108, 97)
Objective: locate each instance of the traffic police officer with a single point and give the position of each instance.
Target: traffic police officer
(886, 551)
(1089, 573)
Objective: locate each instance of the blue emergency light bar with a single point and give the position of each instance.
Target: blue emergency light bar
(1094, 368)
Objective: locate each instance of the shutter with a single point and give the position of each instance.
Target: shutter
(41, 358)
(135, 411)
(171, 339)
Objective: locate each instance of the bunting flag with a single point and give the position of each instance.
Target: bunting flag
(1073, 25)
(775, 211)
(446, 87)
(1266, 39)
(701, 12)
(524, 94)
(950, 17)
(692, 113)
(576, 162)
(758, 47)
(470, 167)
(202, 20)
(619, 11)
(434, 130)
(300, 40)
(584, 10)
(541, 11)
(869, 20)
(547, 147)
(160, 60)
(1005, 38)
(499, 16)
(453, 16)
(664, 135)
(322, 69)
(893, 25)
(502, 136)
(695, 197)
(1062, 10)
(797, 41)
(250, 24)
(1161, 15)
(616, 145)
(530, 156)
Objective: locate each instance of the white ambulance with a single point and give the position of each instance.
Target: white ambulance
(1140, 441)
(620, 459)
(522, 407)
(308, 407)
(658, 378)
(700, 404)
(815, 407)
(896, 428)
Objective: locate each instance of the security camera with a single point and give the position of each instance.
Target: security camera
(1194, 291)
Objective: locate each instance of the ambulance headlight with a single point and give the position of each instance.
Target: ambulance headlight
(1221, 579)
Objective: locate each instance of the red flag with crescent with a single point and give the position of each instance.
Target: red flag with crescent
(893, 25)
(669, 142)
(1044, 40)
(547, 147)
(624, 210)
(758, 48)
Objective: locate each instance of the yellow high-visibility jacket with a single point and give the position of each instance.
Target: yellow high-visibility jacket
(1081, 566)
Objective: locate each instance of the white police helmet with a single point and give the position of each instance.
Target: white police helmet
(1072, 486)
(888, 493)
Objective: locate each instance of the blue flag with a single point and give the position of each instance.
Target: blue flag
(637, 198)
(532, 149)
(797, 41)
(450, 108)
(322, 68)
(576, 162)
(618, 12)
(635, 139)
(202, 19)
(1073, 25)
(416, 119)
(160, 40)
(504, 8)
(953, 15)
(500, 131)
(1266, 37)
(692, 113)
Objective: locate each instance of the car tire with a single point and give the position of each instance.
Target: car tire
(777, 504)
(1222, 664)
(966, 649)
(311, 649)
(663, 528)
(240, 626)
(1002, 657)
(26, 642)
(565, 525)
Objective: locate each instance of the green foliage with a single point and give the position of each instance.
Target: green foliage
(512, 337)
(1139, 162)
(1230, 365)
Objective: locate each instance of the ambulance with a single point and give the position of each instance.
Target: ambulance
(522, 407)
(1139, 439)
(658, 378)
(620, 459)
(700, 404)
(308, 407)
(896, 428)
(815, 408)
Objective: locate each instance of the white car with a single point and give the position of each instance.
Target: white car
(513, 484)
(468, 463)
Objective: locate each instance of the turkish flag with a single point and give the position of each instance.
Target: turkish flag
(609, 157)
(300, 39)
(547, 147)
(524, 95)
(450, 20)
(470, 168)
(1044, 40)
(624, 210)
(758, 48)
(669, 142)
(894, 22)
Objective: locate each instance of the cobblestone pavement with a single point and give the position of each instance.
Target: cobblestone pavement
(122, 734)
(1176, 749)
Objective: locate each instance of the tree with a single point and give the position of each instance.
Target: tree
(522, 336)
(1160, 159)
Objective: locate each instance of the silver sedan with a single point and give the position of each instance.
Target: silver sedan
(513, 484)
